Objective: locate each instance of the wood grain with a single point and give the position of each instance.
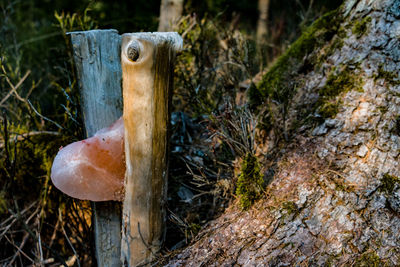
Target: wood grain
(97, 61)
(147, 87)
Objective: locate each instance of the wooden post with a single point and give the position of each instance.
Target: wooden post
(97, 61)
(147, 67)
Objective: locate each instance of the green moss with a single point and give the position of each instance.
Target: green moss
(345, 81)
(361, 26)
(336, 44)
(396, 128)
(390, 77)
(290, 207)
(388, 183)
(250, 181)
(3, 203)
(194, 229)
(369, 259)
(276, 82)
(329, 109)
(383, 109)
(330, 262)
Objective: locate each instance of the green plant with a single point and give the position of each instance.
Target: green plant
(290, 207)
(389, 77)
(274, 83)
(361, 26)
(336, 84)
(235, 126)
(388, 183)
(369, 259)
(76, 21)
(272, 98)
(38, 88)
(249, 186)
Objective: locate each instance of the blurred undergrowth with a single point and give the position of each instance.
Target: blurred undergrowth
(212, 125)
(216, 58)
(39, 113)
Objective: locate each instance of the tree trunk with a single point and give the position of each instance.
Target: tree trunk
(335, 195)
(97, 61)
(262, 24)
(147, 66)
(170, 12)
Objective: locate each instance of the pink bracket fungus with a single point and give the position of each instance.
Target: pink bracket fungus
(94, 168)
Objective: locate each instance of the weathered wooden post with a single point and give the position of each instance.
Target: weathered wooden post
(97, 60)
(147, 66)
(147, 73)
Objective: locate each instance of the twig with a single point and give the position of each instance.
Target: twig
(14, 88)
(66, 236)
(19, 249)
(25, 226)
(20, 137)
(190, 27)
(40, 249)
(145, 263)
(53, 236)
(43, 117)
(22, 212)
(15, 219)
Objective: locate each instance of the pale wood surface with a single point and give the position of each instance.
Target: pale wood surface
(147, 85)
(262, 24)
(97, 61)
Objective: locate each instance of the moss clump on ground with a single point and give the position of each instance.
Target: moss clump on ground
(275, 82)
(250, 182)
(388, 183)
(345, 81)
(369, 259)
(193, 230)
(390, 77)
(361, 26)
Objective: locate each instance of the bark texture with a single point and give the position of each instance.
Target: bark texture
(97, 61)
(147, 65)
(170, 12)
(335, 195)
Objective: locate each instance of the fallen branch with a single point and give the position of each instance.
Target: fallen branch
(21, 137)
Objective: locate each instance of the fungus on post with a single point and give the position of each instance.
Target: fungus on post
(94, 168)
(147, 69)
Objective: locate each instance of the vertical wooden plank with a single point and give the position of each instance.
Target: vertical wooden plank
(97, 61)
(147, 66)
